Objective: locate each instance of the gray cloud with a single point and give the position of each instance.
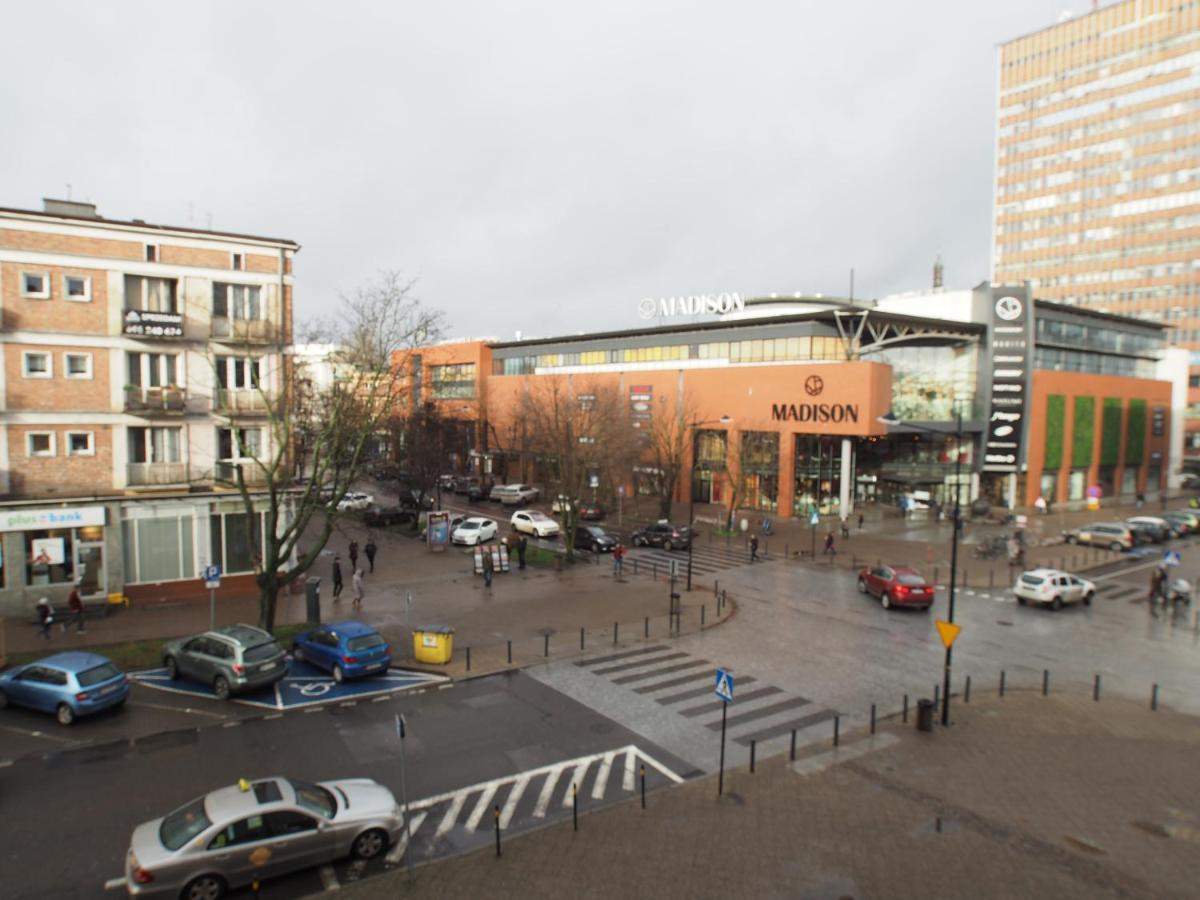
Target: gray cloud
(541, 166)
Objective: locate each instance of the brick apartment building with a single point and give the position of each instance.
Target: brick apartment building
(135, 360)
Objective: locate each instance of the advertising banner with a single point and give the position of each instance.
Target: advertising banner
(1012, 350)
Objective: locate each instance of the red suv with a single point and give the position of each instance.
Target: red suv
(896, 585)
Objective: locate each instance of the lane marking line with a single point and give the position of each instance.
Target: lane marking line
(576, 782)
(514, 797)
(485, 800)
(627, 783)
(186, 709)
(397, 852)
(114, 884)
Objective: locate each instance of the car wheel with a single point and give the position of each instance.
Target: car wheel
(297, 653)
(1087, 598)
(667, 545)
(369, 844)
(862, 586)
(221, 687)
(885, 599)
(1021, 600)
(1116, 547)
(338, 675)
(64, 714)
(1056, 603)
(172, 667)
(206, 887)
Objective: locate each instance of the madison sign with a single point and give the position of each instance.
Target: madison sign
(692, 305)
(814, 412)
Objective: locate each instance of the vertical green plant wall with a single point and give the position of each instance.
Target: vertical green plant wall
(1110, 431)
(1056, 418)
(1135, 433)
(1084, 432)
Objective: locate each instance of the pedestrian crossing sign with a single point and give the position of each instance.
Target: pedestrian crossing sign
(1172, 558)
(815, 518)
(724, 688)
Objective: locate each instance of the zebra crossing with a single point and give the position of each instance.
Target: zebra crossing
(706, 558)
(463, 818)
(682, 685)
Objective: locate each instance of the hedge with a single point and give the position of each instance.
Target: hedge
(1056, 416)
(1110, 431)
(1083, 438)
(1135, 433)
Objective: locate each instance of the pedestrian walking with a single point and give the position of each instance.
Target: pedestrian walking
(1158, 580)
(830, 550)
(45, 617)
(370, 550)
(754, 548)
(488, 568)
(1040, 505)
(337, 577)
(75, 605)
(845, 528)
(618, 559)
(353, 554)
(522, 546)
(1139, 500)
(860, 521)
(358, 588)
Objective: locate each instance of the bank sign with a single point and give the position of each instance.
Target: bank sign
(1012, 344)
(41, 519)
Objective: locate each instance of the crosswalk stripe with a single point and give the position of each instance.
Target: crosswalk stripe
(543, 800)
(485, 800)
(630, 760)
(800, 724)
(397, 852)
(514, 797)
(679, 667)
(673, 682)
(600, 660)
(700, 692)
(577, 777)
(693, 711)
(640, 663)
(451, 816)
(601, 783)
(762, 712)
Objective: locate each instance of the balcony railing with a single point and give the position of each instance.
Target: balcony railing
(154, 474)
(254, 331)
(155, 399)
(225, 471)
(241, 400)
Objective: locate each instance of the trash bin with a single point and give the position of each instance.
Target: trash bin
(924, 715)
(433, 644)
(312, 599)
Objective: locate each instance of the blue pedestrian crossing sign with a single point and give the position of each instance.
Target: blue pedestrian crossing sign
(1172, 558)
(724, 688)
(815, 518)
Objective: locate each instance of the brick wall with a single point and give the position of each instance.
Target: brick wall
(70, 243)
(57, 313)
(58, 393)
(193, 256)
(60, 475)
(257, 262)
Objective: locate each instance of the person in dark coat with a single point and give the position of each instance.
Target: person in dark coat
(337, 576)
(830, 550)
(487, 568)
(370, 550)
(353, 554)
(45, 617)
(754, 548)
(522, 544)
(75, 605)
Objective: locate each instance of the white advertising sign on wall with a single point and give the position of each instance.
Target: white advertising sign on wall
(36, 519)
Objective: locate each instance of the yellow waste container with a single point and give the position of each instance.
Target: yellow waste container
(433, 644)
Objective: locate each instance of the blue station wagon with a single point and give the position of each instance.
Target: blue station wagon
(347, 649)
(68, 684)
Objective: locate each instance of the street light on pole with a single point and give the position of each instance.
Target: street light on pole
(890, 418)
(692, 426)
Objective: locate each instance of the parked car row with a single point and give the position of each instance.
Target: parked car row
(1136, 530)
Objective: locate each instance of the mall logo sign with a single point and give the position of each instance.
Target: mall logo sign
(814, 412)
(691, 305)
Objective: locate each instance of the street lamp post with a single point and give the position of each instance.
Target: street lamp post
(692, 426)
(890, 418)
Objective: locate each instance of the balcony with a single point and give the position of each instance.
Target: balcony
(225, 472)
(144, 323)
(155, 474)
(248, 331)
(147, 401)
(241, 401)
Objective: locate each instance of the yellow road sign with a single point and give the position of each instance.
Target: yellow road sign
(948, 631)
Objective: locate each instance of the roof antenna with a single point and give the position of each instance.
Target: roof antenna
(852, 284)
(937, 272)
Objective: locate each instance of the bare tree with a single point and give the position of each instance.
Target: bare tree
(571, 428)
(666, 449)
(331, 428)
(426, 441)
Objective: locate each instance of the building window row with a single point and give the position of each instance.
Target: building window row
(452, 382)
(40, 364)
(45, 443)
(37, 286)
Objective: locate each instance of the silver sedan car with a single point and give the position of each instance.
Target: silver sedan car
(256, 830)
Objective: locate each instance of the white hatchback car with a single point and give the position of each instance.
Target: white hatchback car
(1053, 588)
(530, 521)
(474, 531)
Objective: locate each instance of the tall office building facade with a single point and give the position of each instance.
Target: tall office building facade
(1097, 187)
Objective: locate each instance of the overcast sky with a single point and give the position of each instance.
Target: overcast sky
(540, 166)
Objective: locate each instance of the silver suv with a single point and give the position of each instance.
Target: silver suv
(231, 659)
(1113, 535)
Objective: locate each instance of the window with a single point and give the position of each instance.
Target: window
(453, 382)
(80, 443)
(151, 369)
(239, 443)
(161, 548)
(77, 288)
(150, 294)
(40, 443)
(36, 364)
(237, 301)
(49, 556)
(237, 372)
(154, 445)
(35, 285)
(78, 365)
(151, 253)
(239, 262)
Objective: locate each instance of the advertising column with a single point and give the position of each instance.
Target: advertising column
(1012, 345)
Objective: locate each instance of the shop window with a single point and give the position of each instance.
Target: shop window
(235, 541)
(1048, 486)
(1129, 480)
(49, 557)
(1076, 482)
(159, 549)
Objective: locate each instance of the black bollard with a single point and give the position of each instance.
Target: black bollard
(1154, 698)
(904, 713)
(643, 785)
(1096, 688)
(837, 721)
(546, 649)
(496, 817)
(872, 718)
(716, 584)
(646, 628)
(753, 744)
(701, 615)
(614, 633)
(574, 806)
(468, 659)
(937, 701)
(967, 690)
(1001, 682)
(510, 653)
(792, 753)
(580, 638)
(1045, 682)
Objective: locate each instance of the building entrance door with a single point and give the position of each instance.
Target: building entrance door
(89, 568)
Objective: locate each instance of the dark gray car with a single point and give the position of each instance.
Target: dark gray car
(231, 659)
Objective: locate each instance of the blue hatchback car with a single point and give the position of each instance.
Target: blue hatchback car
(68, 684)
(347, 649)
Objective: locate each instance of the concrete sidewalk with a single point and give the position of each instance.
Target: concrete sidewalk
(1025, 796)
